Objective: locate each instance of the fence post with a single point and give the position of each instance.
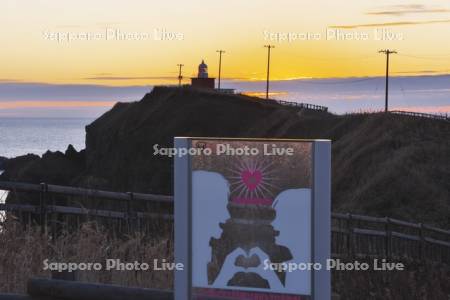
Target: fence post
(422, 242)
(388, 238)
(350, 244)
(43, 208)
(53, 219)
(130, 217)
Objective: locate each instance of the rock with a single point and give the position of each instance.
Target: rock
(71, 151)
(13, 167)
(75, 156)
(3, 161)
(53, 167)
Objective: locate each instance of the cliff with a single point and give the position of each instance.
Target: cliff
(383, 164)
(3, 161)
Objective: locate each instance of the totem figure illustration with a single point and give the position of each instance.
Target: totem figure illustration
(250, 200)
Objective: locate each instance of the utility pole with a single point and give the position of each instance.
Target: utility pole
(220, 65)
(387, 52)
(268, 68)
(179, 74)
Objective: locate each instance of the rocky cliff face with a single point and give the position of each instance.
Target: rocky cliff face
(52, 167)
(2, 162)
(119, 145)
(382, 164)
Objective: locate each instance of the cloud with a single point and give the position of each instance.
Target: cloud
(53, 104)
(103, 74)
(387, 24)
(6, 80)
(111, 77)
(262, 94)
(440, 72)
(235, 78)
(401, 10)
(105, 77)
(32, 91)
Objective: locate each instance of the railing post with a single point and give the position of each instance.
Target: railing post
(350, 244)
(43, 207)
(53, 219)
(388, 238)
(422, 242)
(130, 215)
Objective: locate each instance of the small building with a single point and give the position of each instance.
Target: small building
(203, 80)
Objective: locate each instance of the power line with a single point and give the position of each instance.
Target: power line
(179, 74)
(220, 65)
(388, 53)
(268, 68)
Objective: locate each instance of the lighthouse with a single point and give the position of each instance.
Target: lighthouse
(202, 70)
(202, 80)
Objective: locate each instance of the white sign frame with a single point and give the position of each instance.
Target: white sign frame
(320, 215)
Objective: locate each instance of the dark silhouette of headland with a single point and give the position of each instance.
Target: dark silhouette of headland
(383, 163)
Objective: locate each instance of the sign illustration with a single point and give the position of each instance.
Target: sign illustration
(247, 215)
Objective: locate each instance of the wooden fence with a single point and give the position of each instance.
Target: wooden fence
(443, 117)
(353, 236)
(53, 207)
(302, 105)
(356, 236)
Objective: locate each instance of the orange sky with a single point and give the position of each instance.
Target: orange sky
(119, 43)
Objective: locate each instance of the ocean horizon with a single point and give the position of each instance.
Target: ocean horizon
(427, 94)
(38, 129)
(21, 136)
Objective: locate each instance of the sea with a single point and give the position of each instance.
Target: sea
(26, 128)
(20, 136)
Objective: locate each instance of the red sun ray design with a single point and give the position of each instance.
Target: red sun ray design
(252, 182)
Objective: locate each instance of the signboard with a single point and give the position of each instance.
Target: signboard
(252, 218)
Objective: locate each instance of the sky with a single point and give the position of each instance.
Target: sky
(106, 51)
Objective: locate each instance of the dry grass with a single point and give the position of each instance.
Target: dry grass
(420, 280)
(22, 252)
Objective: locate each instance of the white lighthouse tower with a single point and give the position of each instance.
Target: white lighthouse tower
(202, 80)
(202, 70)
